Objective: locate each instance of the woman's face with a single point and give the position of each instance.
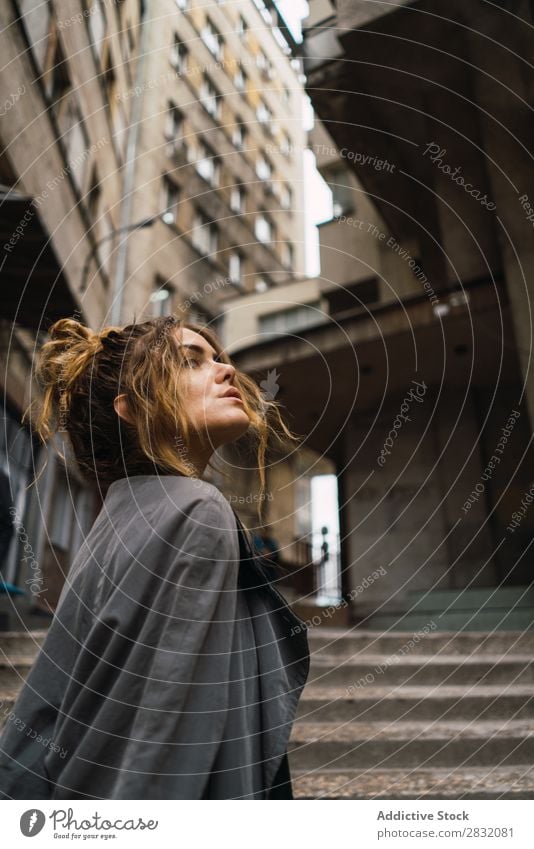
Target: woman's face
(209, 406)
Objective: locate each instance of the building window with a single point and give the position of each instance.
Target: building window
(110, 80)
(242, 25)
(237, 199)
(285, 145)
(286, 197)
(131, 41)
(92, 198)
(264, 65)
(261, 284)
(182, 4)
(261, 60)
(268, 18)
(263, 113)
(212, 39)
(161, 299)
(287, 254)
(196, 315)
(100, 222)
(263, 167)
(174, 126)
(178, 55)
(263, 228)
(76, 143)
(170, 198)
(36, 17)
(238, 134)
(58, 83)
(209, 97)
(240, 78)
(207, 165)
(120, 8)
(292, 320)
(342, 193)
(234, 266)
(205, 235)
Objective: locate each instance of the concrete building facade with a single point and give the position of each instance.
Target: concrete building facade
(219, 148)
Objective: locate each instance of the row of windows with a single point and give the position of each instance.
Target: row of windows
(205, 233)
(211, 98)
(208, 164)
(291, 320)
(164, 301)
(214, 41)
(44, 32)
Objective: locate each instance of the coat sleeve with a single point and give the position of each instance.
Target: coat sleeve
(145, 707)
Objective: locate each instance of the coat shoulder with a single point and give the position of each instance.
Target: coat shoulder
(161, 496)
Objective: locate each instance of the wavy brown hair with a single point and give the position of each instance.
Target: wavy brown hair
(80, 373)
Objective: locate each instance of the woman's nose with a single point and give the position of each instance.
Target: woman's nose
(227, 372)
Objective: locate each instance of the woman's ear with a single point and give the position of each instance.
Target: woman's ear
(120, 405)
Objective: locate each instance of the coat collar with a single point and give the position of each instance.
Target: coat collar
(253, 576)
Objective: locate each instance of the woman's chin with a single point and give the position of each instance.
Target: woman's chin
(233, 428)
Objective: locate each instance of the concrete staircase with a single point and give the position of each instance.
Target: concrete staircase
(17, 653)
(469, 609)
(447, 716)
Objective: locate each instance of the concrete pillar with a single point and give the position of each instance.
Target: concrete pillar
(506, 132)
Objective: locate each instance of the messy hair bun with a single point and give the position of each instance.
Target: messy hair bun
(61, 362)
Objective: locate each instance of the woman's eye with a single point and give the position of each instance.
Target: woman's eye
(189, 362)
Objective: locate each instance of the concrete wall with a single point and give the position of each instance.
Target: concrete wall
(241, 317)
(406, 515)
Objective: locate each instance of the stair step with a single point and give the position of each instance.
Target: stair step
(497, 783)
(477, 620)
(14, 670)
(359, 745)
(21, 642)
(354, 641)
(473, 598)
(7, 701)
(334, 704)
(449, 715)
(420, 669)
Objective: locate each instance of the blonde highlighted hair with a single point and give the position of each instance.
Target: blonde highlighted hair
(81, 372)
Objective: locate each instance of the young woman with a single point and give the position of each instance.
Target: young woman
(172, 668)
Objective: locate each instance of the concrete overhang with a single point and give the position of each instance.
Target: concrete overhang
(35, 291)
(430, 72)
(345, 367)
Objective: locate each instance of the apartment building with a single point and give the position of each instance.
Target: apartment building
(220, 152)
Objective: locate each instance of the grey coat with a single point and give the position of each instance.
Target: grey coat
(170, 670)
